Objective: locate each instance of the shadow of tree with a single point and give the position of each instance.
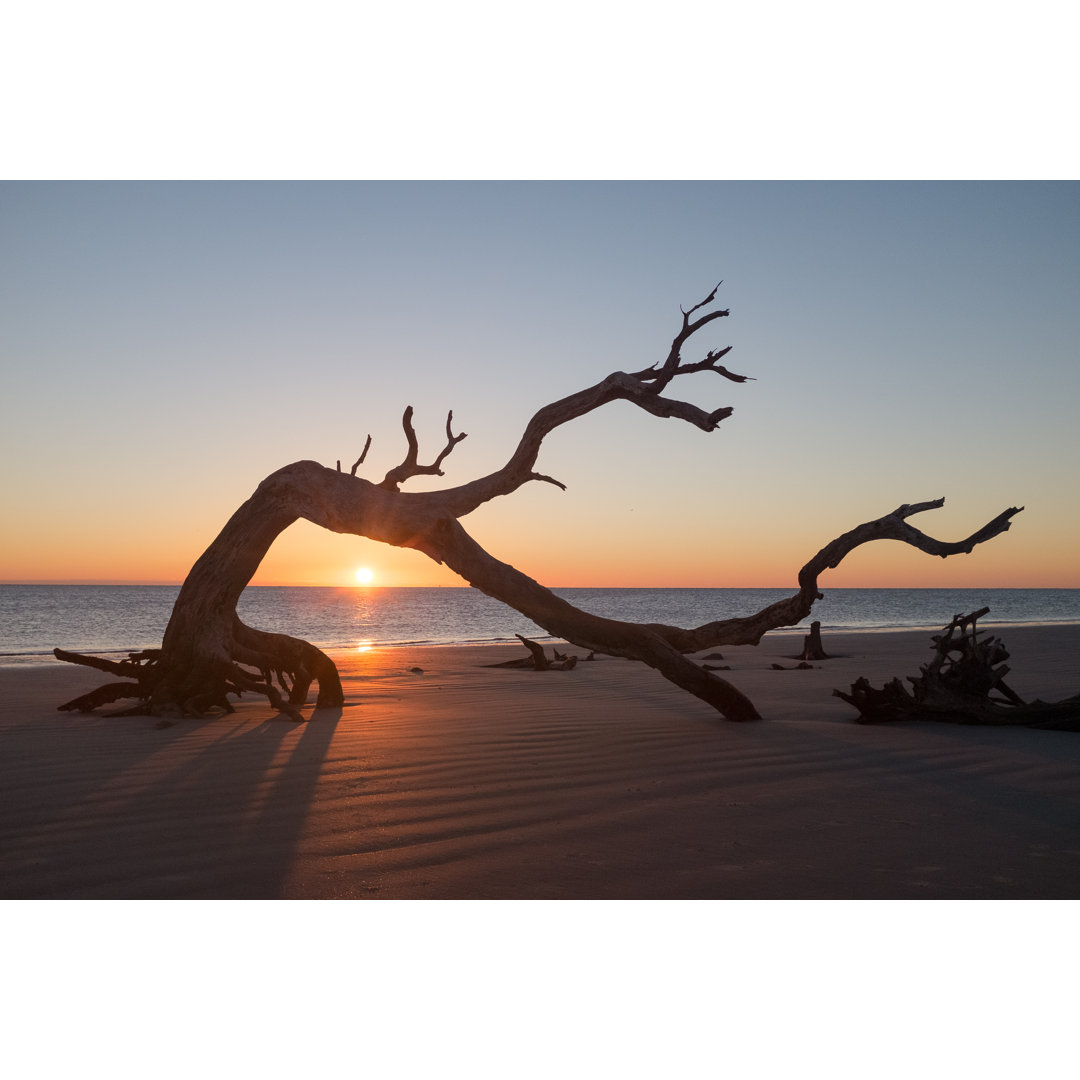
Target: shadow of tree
(185, 813)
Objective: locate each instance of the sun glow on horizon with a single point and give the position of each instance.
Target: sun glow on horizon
(364, 575)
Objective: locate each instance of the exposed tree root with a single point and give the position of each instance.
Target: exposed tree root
(955, 687)
(195, 682)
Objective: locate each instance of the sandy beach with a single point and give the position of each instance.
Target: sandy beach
(463, 781)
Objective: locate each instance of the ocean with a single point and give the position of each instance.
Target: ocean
(108, 619)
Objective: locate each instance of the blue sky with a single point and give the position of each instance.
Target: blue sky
(166, 345)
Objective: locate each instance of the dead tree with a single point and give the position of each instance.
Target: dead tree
(208, 654)
(956, 687)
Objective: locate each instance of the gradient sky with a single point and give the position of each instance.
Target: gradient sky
(166, 346)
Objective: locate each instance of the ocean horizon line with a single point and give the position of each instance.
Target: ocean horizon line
(84, 583)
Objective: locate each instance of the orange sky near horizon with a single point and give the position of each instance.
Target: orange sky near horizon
(308, 555)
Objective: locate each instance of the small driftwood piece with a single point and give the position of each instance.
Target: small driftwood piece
(538, 661)
(956, 687)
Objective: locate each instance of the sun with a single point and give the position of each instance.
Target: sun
(364, 575)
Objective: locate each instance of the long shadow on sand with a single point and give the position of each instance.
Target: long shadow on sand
(181, 815)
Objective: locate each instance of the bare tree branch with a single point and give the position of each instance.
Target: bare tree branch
(618, 386)
(672, 365)
(360, 460)
(410, 467)
(708, 364)
(789, 612)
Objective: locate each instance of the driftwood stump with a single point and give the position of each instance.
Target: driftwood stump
(956, 687)
(812, 647)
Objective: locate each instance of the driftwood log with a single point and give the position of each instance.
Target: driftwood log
(963, 684)
(537, 659)
(207, 653)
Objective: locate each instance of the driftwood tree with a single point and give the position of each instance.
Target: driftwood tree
(208, 654)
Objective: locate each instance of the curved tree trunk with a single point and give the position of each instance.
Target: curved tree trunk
(208, 654)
